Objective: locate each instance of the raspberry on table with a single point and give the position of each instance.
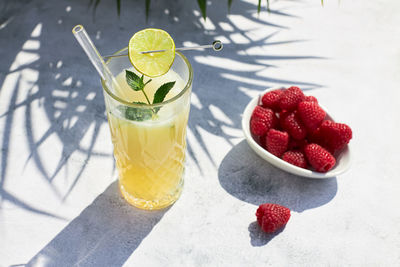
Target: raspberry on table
(271, 99)
(277, 142)
(319, 158)
(272, 217)
(262, 120)
(290, 98)
(293, 125)
(311, 114)
(296, 158)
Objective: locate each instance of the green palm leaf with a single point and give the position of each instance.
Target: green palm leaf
(202, 5)
(229, 5)
(119, 7)
(95, 6)
(147, 9)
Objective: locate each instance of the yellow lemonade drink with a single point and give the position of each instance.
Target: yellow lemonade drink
(150, 154)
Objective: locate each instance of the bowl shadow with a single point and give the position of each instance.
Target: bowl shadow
(246, 176)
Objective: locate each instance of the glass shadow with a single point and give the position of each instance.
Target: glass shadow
(106, 233)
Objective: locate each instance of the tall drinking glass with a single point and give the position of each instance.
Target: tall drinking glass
(149, 140)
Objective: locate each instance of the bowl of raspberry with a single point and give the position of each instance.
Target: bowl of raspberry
(293, 132)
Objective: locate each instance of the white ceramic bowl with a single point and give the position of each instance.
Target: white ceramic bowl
(342, 162)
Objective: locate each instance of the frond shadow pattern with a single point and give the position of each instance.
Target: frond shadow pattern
(68, 89)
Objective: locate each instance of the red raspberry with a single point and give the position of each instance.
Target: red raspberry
(311, 115)
(272, 217)
(290, 98)
(295, 157)
(292, 124)
(335, 135)
(262, 120)
(319, 158)
(282, 115)
(277, 142)
(271, 99)
(297, 144)
(316, 137)
(310, 98)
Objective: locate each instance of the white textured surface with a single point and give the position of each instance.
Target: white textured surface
(59, 202)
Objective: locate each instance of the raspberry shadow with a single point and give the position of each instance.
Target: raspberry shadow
(259, 238)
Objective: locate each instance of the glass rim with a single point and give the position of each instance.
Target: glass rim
(126, 103)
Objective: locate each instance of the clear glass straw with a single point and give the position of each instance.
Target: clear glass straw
(94, 56)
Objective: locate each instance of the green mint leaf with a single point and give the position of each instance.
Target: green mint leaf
(136, 114)
(134, 81)
(162, 91)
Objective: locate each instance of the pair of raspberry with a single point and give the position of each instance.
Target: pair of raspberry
(291, 126)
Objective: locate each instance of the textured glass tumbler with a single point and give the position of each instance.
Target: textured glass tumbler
(150, 152)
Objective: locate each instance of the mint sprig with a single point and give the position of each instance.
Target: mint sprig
(137, 84)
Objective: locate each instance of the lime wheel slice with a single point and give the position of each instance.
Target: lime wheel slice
(151, 64)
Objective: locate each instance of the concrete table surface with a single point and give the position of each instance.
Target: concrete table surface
(59, 199)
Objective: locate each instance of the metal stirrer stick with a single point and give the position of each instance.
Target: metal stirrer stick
(216, 46)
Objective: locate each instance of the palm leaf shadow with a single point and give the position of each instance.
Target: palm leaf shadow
(69, 123)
